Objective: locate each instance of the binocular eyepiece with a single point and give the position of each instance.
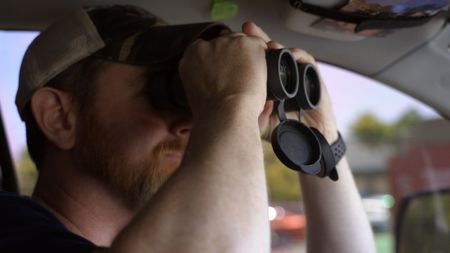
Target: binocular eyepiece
(297, 84)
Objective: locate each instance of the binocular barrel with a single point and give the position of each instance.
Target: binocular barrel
(297, 84)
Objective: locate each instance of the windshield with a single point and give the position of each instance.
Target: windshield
(396, 147)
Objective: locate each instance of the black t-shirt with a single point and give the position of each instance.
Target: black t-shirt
(27, 227)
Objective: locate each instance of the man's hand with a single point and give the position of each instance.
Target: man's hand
(223, 164)
(320, 118)
(329, 206)
(228, 69)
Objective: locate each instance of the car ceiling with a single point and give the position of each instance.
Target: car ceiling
(413, 60)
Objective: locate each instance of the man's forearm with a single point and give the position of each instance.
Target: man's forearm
(217, 199)
(336, 218)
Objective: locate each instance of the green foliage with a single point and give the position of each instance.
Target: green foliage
(405, 124)
(26, 173)
(372, 131)
(282, 182)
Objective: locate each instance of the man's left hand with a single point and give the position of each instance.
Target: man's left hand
(321, 118)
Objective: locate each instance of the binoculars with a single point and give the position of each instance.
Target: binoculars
(297, 84)
(293, 87)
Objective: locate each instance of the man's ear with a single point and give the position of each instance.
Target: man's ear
(56, 115)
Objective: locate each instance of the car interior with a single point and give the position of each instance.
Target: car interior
(402, 45)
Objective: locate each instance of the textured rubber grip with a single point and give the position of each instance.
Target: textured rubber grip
(338, 148)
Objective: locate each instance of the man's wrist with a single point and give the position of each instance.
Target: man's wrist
(330, 132)
(331, 135)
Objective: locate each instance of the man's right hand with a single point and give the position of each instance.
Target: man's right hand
(227, 71)
(223, 164)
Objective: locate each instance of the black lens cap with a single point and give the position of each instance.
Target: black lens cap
(297, 147)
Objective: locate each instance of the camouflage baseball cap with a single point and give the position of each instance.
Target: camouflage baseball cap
(120, 33)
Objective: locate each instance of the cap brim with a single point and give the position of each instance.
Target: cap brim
(159, 45)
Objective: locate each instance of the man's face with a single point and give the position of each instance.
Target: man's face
(124, 141)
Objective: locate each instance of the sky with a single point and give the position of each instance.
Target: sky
(351, 94)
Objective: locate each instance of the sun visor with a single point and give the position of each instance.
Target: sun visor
(356, 20)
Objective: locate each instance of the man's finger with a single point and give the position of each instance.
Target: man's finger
(236, 34)
(252, 29)
(302, 56)
(225, 32)
(274, 45)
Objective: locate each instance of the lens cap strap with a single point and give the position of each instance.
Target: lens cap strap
(327, 159)
(331, 155)
(295, 144)
(338, 148)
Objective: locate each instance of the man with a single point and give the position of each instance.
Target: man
(117, 174)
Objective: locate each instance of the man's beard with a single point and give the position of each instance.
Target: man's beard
(135, 182)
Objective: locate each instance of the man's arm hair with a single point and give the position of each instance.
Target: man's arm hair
(337, 221)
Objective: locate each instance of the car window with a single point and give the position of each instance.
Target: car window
(12, 48)
(396, 147)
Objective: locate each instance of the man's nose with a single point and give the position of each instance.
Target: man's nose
(181, 125)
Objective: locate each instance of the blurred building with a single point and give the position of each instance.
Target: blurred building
(422, 161)
(369, 166)
(416, 162)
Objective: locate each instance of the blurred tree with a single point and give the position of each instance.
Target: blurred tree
(371, 131)
(282, 182)
(405, 124)
(26, 173)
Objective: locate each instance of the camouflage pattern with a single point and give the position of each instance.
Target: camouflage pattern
(120, 33)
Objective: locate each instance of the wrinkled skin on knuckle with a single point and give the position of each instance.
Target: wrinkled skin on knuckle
(303, 56)
(322, 117)
(229, 66)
